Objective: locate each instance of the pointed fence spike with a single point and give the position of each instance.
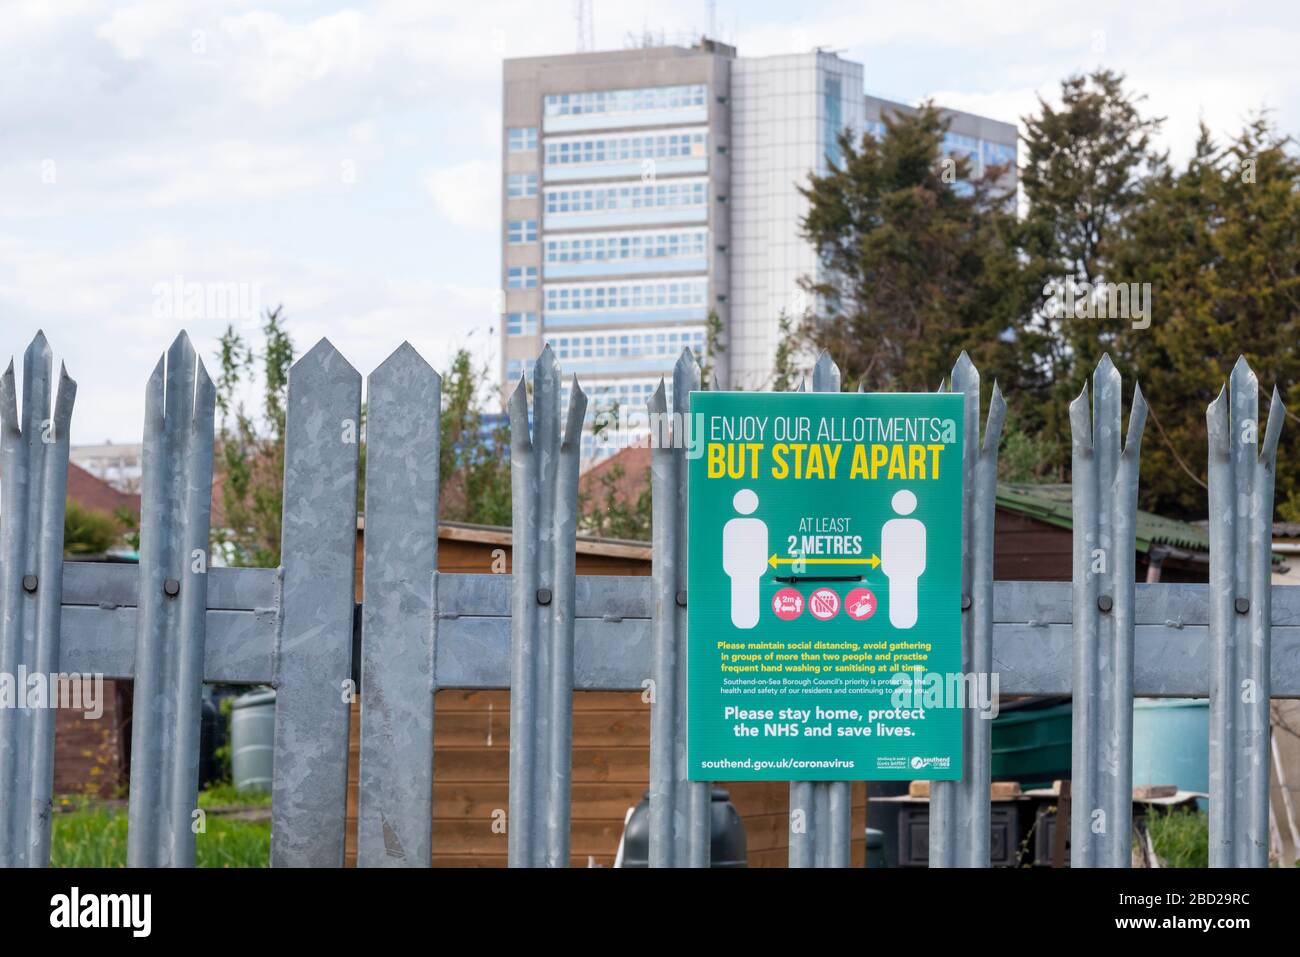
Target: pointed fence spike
(1081, 420)
(577, 413)
(8, 401)
(517, 408)
(658, 403)
(1273, 433)
(826, 374)
(996, 416)
(1217, 423)
(1137, 420)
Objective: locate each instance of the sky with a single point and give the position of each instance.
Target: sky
(342, 159)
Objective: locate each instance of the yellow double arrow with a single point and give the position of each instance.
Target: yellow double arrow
(873, 561)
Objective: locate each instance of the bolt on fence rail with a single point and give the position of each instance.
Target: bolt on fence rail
(175, 622)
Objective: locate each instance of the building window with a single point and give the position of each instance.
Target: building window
(519, 367)
(632, 296)
(521, 324)
(521, 185)
(616, 247)
(521, 139)
(666, 343)
(519, 231)
(998, 154)
(834, 120)
(664, 195)
(521, 277)
(625, 101)
(627, 147)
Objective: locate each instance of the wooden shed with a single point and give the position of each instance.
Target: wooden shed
(1033, 539)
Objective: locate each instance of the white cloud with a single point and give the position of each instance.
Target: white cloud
(467, 193)
(98, 309)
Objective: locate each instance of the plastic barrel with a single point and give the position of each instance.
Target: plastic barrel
(252, 740)
(1032, 744)
(1171, 742)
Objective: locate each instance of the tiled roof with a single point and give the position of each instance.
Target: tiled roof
(95, 494)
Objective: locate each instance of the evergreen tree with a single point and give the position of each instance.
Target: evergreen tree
(1219, 242)
(918, 260)
(1087, 166)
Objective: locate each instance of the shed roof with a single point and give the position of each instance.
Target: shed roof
(1052, 504)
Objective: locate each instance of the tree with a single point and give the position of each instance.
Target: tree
(474, 452)
(784, 373)
(1219, 242)
(1088, 164)
(251, 449)
(89, 532)
(918, 260)
(1026, 456)
(614, 512)
(713, 348)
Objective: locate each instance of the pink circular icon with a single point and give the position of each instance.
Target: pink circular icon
(787, 604)
(860, 604)
(824, 604)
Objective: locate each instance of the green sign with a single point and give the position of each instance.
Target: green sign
(825, 586)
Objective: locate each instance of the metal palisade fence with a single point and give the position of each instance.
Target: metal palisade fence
(174, 622)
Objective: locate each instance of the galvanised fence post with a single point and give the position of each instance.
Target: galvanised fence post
(314, 648)
(33, 479)
(395, 803)
(1105, 483)
(1242, 471)
(544, 504)
(679, 808)
(821, 812)
(176, 504)
(960, 810)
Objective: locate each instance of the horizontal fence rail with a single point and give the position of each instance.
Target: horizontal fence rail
(173, 622)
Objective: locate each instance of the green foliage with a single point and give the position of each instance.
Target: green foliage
(914, 270)
(223, 752)
(96, 837)
(609, 513)
(251, 447)
(713, 347)
(473, 463)
(1180, 838)
(1086, 172)
(89, 532)
(225, 795)
(127, 519)
(1219, 241)
(1027, 456)
(784, 374)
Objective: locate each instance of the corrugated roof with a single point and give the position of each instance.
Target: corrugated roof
(1051, 504)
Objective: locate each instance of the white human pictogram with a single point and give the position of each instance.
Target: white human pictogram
(744, 559)
(902, 559)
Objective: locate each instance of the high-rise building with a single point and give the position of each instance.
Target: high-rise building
(645, 189)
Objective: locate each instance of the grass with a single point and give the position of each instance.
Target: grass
(96, 837)
(1181, 838)
(225, 795)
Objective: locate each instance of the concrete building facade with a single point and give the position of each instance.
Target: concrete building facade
(645, 189)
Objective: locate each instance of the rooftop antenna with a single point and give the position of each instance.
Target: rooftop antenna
(586, 32)
(712, 8)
